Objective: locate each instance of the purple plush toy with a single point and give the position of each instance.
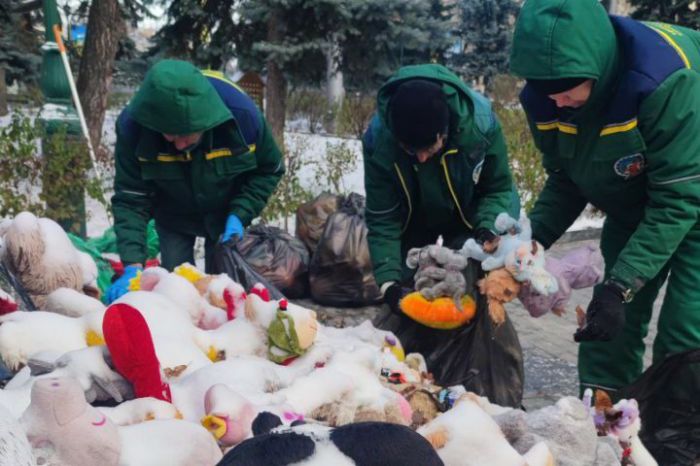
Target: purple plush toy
(580, 268)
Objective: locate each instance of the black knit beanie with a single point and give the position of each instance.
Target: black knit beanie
(555, 86)
(418, 112)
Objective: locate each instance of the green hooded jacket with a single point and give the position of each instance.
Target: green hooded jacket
(463, 188)
(232, 170)
(633, 149)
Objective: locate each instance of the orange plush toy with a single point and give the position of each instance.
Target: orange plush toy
(441, 301)
(499, 287)
(440, 313)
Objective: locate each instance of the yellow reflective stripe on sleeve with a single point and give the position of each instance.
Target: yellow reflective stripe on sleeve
(673, 44)
(547, 125)
(221, 77)
(563, 127)
(567, 128)
(619, 127)
(408, 197)
(174, 158)
(218, 153)
(452, 191)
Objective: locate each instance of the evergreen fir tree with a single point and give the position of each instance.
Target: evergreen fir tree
(19, 44)
(484, 34)
(681, 12)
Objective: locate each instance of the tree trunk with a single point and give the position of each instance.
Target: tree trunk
(105, 28)
(334, 77)
(3, 92)
(276, 89)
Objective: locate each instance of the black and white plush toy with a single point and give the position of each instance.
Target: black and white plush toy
(363, 443)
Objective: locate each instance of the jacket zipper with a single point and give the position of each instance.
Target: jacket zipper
(452, 191)
(408, 197)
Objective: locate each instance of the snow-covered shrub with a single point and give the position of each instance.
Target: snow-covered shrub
(525, 159)
(50, 185)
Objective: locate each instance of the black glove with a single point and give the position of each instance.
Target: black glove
(487, 239)
(483, 235)
(605, 316)
(393, 296)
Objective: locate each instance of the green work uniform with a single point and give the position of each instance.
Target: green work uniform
(232, 170)
(632, 151)
(462, 188)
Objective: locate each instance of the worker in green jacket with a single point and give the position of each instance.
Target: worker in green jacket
(193, 152)
(614, 107)
(435, 164)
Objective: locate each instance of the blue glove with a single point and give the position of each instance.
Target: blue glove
(233, 228)
(121, 285)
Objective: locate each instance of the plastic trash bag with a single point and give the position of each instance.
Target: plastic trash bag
(228, 260)
(105, 272)
(107, 244)
(277, 256)
(669, 405)
(10, 284)
(312, 217)
(340, 273)
(484, 358)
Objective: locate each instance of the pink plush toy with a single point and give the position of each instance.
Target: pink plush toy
(580, 268)
(61, 425)
(60, 418)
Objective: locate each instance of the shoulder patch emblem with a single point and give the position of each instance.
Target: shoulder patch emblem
(630, 166)
(476, 174)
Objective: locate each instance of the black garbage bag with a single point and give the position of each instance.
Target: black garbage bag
(279, 257)
(312, 217)
(340, 273)
(668, 394)
(486, 359)
(228, 260)
(10, 284)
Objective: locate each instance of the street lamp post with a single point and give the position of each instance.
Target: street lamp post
(58, 116)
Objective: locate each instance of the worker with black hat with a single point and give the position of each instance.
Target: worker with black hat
(435, 164)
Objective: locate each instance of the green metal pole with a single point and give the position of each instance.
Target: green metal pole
(65, 204)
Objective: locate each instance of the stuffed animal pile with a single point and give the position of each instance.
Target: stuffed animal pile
(200, 371)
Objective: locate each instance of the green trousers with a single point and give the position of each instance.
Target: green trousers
(614, 364)
(177, 248)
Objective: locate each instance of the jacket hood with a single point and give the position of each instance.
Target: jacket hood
(176, 98)
(557, 39)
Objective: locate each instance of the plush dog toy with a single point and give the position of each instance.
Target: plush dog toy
(580, 268)
(499, 287)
